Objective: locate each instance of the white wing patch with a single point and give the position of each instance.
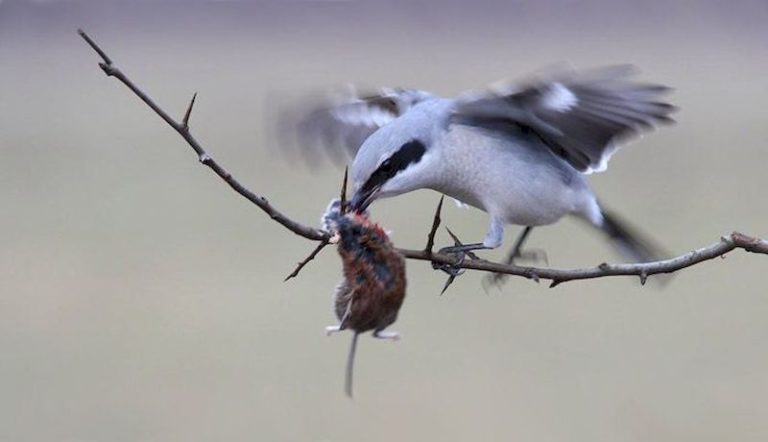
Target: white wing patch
(559, 98)
(603, 164)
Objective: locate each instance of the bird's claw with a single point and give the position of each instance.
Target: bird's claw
(494, 280)
(461, 251)
(454, 269)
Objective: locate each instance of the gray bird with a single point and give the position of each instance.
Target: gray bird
(520, 152)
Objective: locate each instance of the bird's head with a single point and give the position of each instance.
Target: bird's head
(392, 161)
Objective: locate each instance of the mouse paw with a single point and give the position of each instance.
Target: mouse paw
(331, 329)
(392, 336)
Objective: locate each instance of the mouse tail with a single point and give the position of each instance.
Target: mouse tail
(350, 365)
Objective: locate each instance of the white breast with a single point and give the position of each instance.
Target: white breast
(513, 179)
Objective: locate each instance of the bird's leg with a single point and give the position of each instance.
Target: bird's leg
(518, 246)
(518, 252)
(391, 335)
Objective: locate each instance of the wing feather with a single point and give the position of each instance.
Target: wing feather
(580, 116)
(339, 125)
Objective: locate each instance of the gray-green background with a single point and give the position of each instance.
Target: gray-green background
(141, 299)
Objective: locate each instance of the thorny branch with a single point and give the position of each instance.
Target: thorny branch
(182, 128)
(726, 244)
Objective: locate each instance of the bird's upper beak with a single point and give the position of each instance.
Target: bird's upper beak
(363, 198)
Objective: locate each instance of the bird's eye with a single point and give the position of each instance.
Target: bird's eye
(386, 166)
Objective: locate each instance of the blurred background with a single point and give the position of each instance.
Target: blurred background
(142, 299)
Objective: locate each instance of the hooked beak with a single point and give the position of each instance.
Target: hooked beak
(363, 198)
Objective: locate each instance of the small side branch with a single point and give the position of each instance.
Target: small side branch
(306, 260)
(325, 242)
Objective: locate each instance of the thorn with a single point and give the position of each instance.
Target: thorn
(204, 158)
(448, 283)
(456, 240)
(435, 225)
(343, 195)
(109, 70)
(604, 266)
(185, 121)
(643, 277)
(535, 277)
(555, 283)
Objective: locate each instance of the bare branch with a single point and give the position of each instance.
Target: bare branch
(109, 68)
(726, 244)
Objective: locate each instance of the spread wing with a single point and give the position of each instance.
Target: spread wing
(580, 116)
(339, 125)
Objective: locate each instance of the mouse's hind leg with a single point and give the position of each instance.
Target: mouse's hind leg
(390, 335)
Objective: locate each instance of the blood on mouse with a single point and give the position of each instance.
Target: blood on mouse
(373, 289)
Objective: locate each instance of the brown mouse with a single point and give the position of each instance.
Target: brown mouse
(373, 289)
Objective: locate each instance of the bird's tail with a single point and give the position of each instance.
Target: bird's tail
(350, 364)
(633, 245)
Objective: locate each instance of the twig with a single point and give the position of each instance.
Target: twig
(727, 243)
(306, 260)
(183, 129)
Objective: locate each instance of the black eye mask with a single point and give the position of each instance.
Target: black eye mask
(410, 152)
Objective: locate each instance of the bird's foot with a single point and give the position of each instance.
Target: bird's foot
(453, 269)
(461, 252)
(391, 335)
(465, 250)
